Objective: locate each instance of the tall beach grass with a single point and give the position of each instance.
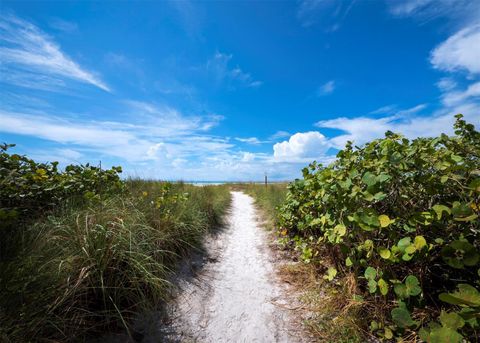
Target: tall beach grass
(90, 267)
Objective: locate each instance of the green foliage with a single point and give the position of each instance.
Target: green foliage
(92, 251)
(394, 210)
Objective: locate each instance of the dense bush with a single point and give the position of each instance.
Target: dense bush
(402, 217)
(100, 256)
(30, 186)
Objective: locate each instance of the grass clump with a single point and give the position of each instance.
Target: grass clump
(94, 261)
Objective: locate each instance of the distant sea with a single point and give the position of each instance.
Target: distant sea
(216, 183)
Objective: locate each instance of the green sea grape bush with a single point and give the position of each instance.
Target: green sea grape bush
(28, 186)
(29, 189)
(402, 216)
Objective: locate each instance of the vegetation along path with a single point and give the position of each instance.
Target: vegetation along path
(235, 296)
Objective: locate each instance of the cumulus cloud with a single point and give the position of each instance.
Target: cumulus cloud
(302, 146)
(459, 52)
(28, 53)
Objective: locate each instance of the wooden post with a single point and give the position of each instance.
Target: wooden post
(266, 179)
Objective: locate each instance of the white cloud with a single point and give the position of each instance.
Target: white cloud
(149, 132)
(459, 52)
(446, 84)
(249, 140)
(279, 134)
(416, 7)
(459, 12)
(455, 97)
(361, 130)
(27, 52)
(385, 109)
(326, 88)
(302, 146)
(63, 25)
(248, 157)
(218, 67)
(330, 13)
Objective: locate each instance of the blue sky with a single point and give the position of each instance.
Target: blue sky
(230, 90)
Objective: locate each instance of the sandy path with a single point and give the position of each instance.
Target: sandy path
(234, 298)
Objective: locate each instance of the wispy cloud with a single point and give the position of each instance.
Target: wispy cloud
(219, 67)
(250, 140)
(278, 135)
(29, 55)
(63, 25)
(455, 97)
(330, 13)
(425, 10)
(326, 88)
(140, 138)
(363, 129)
(388, 109)
(459, 52)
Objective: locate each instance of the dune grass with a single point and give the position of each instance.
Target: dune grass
(88, 267)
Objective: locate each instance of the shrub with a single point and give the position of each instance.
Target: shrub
(402, 216)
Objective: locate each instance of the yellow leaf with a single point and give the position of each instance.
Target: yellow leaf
(384, 220)
(419, 242)
(385, 254)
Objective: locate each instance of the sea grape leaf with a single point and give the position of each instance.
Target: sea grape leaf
(385, 254)
(439, 209)
(372, 286)
(413, 286)
(340, 230)
(383, 286)
(369, 179)
(384, 220)
(465, 295)
(402, 318)
(331, 273)
(419, 242)
(348, 262)
(445, 335)
(400, 290)
(388, 333)
(451, 320)
(460, 253)
(379, 196)
(410, 249)
(370, 273)
(404, 243)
